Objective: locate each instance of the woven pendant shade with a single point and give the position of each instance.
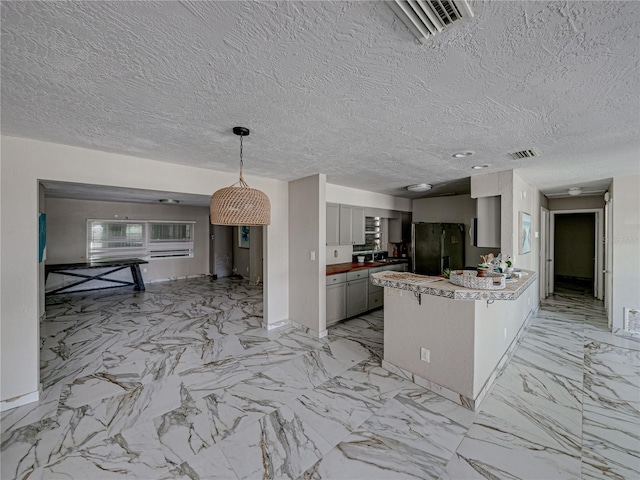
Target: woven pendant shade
(239, 204)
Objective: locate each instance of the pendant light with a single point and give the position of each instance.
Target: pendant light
(239, 204)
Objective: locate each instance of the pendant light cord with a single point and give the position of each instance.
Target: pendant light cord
(241, 182)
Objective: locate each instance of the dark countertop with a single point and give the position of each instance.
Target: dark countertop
(352, 266)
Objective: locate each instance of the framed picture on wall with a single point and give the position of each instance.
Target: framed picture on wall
(243, 236)
(42, 237)
(524, 235)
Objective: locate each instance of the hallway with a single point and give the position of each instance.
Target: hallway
(181, 382)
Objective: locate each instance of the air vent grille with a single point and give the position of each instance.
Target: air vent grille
(524, 154)
(426, 18)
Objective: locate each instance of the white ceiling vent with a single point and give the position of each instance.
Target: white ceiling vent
(524, 154)
(429, 17)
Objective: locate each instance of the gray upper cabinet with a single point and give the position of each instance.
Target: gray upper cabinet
(346, 212)
(333, 224)
(357, 226)
(400, 228)
(488, 228)
(351, 225)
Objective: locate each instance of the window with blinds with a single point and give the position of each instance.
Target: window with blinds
(372, 235)
(119, 239)
(170, 239)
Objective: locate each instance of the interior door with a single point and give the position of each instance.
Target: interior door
(544, 249)
(608, 256)
(550, 254)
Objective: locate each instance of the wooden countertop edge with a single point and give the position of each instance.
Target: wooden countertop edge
(353, 266)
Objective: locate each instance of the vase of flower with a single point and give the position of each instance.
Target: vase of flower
(483, 269)
(509, 269)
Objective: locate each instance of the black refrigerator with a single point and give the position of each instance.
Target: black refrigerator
(436, 247)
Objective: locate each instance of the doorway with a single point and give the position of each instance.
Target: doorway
(576, 252)
(236, 251)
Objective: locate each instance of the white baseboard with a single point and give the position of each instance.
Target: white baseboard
(309, 331)
(271, 326)
(169, 279)
(21, 400)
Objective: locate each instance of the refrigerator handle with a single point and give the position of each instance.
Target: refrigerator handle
(412, 268)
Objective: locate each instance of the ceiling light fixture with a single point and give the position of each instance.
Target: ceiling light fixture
(239, 204)
(480, 167)
(419, 187)
(575, 191)
(462, 154)
(169, 200)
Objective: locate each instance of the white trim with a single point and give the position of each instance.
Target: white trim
(608, 266)
(171, 279)
(21, 400)
(273, 326)
(598, 266)
(544, 253)
(309, 331)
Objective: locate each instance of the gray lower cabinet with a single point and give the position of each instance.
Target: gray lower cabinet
(376, 294)
(357, 296)
(336, 303)
(357, 292)
(376, 299)
(350, 294)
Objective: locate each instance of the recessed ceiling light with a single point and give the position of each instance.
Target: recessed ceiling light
(462, 154)
(575, 191)
(479, 167)
(420, 187)
(169, 200)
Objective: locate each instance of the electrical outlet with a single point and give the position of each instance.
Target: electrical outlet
(312, 255)
(505, 333)
(425, 355)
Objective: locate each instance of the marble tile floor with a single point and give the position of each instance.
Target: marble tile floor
(182, 382)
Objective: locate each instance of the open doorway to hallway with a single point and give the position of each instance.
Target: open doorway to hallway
(575, 252)
(236, 252)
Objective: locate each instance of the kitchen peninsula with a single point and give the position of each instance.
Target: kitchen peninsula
(451, 339)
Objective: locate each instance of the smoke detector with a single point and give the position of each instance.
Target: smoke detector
(426, 18)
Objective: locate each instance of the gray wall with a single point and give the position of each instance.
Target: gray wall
(67, 233)
(574, 243)
(624, 240)
(223, 245)
(307, 233)
(575, 203)
(240, 256)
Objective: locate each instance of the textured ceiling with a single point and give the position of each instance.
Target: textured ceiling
(340, 88)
